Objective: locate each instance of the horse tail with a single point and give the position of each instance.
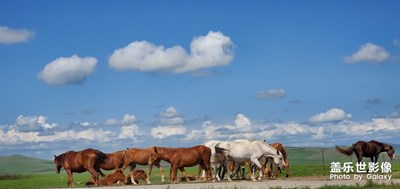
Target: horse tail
(347, 151)
(100, 159)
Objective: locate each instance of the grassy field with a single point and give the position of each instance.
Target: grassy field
(25, 172)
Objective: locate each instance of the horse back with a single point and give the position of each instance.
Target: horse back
(137, 155)
(368, 149)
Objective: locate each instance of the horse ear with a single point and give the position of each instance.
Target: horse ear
(277, 152)
(55, 156)
(154, 149)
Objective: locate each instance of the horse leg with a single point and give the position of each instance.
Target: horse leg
(287, 168)
(133, 166)
(376, 158)
(70, 181)
(95, 176)
(235, 171)
(148, 178)
(161, 172)
(174, 173)
(255, 161)
(183, 171)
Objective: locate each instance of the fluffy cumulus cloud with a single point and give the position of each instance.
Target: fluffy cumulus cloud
(171, 124)
(368, 52)
(32, 123)
(271, 94)
(331, 115)
(28, 132)
(10, 35)
(129, 130)
(68, 70)
(214, 49)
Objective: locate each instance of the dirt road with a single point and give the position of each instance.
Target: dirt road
(284, 183)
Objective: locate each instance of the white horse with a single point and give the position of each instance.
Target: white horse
(219, 156)
(243, 150)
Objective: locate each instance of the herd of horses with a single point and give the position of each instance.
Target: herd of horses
(214, 158)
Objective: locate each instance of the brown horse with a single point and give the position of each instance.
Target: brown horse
(117, 176)
(370, 149)
(115, 160)
(85, 160)
(140, 156)
(179, 158)
(137, 175)
(282, 149)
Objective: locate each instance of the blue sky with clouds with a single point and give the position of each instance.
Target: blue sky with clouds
(117, 74)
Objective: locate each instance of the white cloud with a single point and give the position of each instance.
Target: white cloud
(84, 124)
(111, 122)
(214, 49)
(13, 136)
(128, 119)
(271, 93)
(161, 132)
(10, 35)
(169, 112)
(32, 123)
(71, 70)
(130, 132)
(368, 52)
(333, 114)
(171, 124)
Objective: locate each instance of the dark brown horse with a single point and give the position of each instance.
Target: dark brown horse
(134, 156)
(117, 176)
(179, 158)
(370, 149)
(85, 160)
(115, 160)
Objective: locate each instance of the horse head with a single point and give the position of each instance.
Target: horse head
(58, 161)
(279, 160)
(390, 151)
(154, 154)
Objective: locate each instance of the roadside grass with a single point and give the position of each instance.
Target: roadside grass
(53, 180)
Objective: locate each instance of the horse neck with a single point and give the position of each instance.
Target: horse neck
(167, 154)
(61, 158)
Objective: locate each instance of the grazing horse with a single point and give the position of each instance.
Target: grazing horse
(370, 149)
(137, 175)
(242, 150)
(179, 158)
(85, 160)
(282, 149)
(115, 160)
(117, 176)
(140, 156)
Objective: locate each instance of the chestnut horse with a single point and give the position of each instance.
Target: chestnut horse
(137, 175)
(85, 160)
(282, 149)
(115, 160)
(140, 156)
(370, 149)
(117, 176)
(179, 158)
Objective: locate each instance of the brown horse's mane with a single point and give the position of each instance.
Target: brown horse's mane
(61, 157)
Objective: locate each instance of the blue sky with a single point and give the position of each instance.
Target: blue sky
(117, 74)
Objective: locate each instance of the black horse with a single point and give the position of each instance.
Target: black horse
(370, 149)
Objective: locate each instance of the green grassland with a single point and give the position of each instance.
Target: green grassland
(24, 172)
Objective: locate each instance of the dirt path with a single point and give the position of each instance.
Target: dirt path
(284, 183)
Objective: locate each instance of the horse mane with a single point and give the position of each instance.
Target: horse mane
(61, 157)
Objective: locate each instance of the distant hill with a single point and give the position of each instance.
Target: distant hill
(18, 164)
(24, 165)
